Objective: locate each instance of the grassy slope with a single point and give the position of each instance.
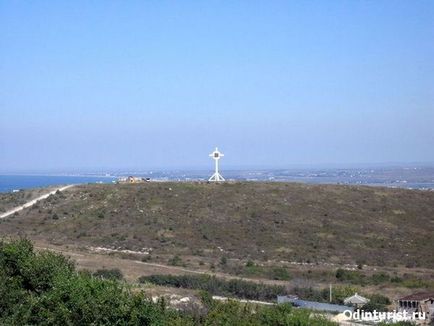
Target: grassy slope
(9, 200)
(281, 221)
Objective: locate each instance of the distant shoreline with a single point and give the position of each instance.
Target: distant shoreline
(9, 183)
(392, 177)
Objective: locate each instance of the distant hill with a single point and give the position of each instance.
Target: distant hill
(274, 221)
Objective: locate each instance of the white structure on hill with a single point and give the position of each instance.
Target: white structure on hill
(216, 177)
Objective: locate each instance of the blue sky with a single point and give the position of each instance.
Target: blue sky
(159, 84)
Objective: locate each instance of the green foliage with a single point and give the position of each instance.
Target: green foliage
(35, 272)
(250, 263)
(354, 277)
(414, 283)
(358, 277)
(380, 278)
(110, 274)
(342, 292)
(176, 261)
(377, 302)
(371, 306)
(217, 286)
(42, 288)
(379, 299)
(233, 313)
(339, 294)
(280, 273)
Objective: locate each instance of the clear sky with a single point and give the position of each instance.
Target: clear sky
(159, 84)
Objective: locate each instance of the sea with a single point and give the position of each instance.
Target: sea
(410, 177)
(10, 183)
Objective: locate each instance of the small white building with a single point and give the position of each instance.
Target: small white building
(356, 300)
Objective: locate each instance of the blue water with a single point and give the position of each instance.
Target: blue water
(11, 182)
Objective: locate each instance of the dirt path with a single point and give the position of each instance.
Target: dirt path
(33, 202)
(133, 269)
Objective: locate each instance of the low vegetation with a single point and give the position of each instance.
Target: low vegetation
(43, 288)
(110, 274)
(217, 286)
(381, 278)
(9, 200)
(258, 221)
(254, 291)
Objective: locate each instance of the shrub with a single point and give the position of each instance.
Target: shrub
(217, 286)
(280, 273)
(354, 277)
(380, 299)
(42, 288)
(175, 261)
(379, 278)
(323, 295)
(110, 274)
(250, 263)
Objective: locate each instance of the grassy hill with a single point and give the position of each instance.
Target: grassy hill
(262, 221)
(9, 200)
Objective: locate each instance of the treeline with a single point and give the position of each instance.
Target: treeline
(360, 278)
(254, 291)
(218, 286)
(43, 288)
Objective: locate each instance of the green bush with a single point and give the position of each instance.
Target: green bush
(280, 273)
(43, 288)
(216, 286)
(323, 295)
(379, 299)
(176, 261)
(358, 277)
(110, 274)
(250, 263)
(380, 278)
(354, 277)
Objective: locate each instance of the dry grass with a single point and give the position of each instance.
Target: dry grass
(260, 221)
(10, 200)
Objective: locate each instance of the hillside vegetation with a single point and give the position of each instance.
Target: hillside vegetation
(43, 288)
(262, 221)
(9, 200)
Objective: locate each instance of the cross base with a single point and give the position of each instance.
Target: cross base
(216, 177)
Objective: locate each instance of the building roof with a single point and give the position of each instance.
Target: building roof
(286, 298)
(356, 299)
(321, 306)
(418, 296)
(312, 304)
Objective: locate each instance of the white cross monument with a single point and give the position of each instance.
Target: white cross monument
(216, 177)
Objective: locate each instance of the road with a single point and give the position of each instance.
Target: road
(32, 202)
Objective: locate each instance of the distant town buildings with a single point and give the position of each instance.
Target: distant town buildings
(131, 179)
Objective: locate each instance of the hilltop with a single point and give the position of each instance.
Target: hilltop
(288, 222)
